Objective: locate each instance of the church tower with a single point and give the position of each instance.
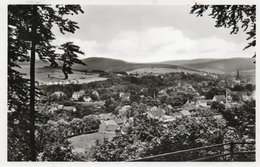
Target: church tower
(238, 77)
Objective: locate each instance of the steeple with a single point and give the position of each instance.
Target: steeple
(237, 78)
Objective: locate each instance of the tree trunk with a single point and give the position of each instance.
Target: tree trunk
(64, 70)
(32, 90)
(66, 75)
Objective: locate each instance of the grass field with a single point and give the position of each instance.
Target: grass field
(156, 70)
(44, 74)
(83, 142)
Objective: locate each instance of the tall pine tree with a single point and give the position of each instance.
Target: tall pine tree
(30, 34)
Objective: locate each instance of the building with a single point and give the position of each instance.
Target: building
(58, 95)
(201, 103)
(155, 112)
(219, 98)
(124, 96)
(123, 111)
(87, 99)
(109, 126)
(108, 116)
(69, 108)
(77, 95)
(237, 79)
(185, 113)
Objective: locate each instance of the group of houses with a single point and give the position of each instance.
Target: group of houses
(113, 124)
(63, 82)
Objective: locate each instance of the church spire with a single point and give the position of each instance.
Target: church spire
(238, 77)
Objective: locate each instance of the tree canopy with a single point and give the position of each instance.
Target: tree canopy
(30, 32)
(234, 17)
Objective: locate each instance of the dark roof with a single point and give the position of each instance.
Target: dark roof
(241, 93)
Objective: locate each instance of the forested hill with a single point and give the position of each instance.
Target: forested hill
(218, 65)
(112, 65)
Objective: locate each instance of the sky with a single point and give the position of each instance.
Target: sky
(151, 33)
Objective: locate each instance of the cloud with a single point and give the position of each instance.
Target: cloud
(158, 44)
(90, 48)
(151, 42)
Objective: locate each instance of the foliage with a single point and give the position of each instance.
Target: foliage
(70, 57)
(52, 143)
(177, 100)
(235, 17)
(148, 137)
(217, 106)
(215, 91)
(242, 118)
(29, 26)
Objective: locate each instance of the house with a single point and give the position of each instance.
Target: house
(123, 111)
(167, 118)
(126, 124)
(67, 82)
(61, 82)
(124, 96)
(74, 82)
(185, 113)
(219, 98)
(87, 99)
(155, 112)
(52, 110)
(201, 103)
(69, 108)
(77, 95)
(119, 121)
(58, 95)
(60, 106)
(108, 116)
(95, 94)
(219, 116)
(53, 83)
(168, 108)
(109, 126)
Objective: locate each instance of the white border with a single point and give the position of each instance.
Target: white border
(3, 81)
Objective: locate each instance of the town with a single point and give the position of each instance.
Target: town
(129, 81)
(101, 110)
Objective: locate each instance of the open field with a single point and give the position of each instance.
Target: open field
(156, 70)
(85, 141)
(44, 74)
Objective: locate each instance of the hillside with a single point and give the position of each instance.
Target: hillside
(113, 65)
(183, 62)
(221, 66)
(227, 66)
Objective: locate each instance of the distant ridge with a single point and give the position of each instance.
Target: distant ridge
(217, 65)
(183, 62)
(113, 65)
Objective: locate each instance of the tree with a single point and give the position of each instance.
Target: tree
(250, 87)
(147, 137)
(235, 17)
(218, 106)
(69, 57)
(29, 28)
(241, 118)
(52, 142)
